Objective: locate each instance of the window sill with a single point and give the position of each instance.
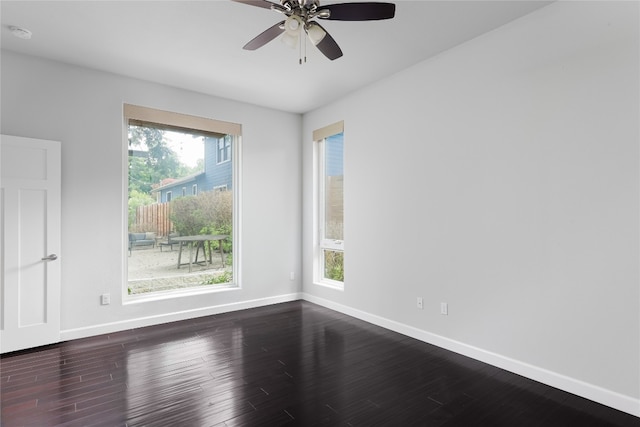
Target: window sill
(178, 293)
(332, 284)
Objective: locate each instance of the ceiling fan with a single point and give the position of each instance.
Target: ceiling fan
(301, 15)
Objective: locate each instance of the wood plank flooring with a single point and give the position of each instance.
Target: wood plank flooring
(294, 364)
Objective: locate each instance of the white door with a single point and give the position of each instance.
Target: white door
(30, 223)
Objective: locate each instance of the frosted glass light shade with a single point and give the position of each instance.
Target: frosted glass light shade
(316, 33)
(292, 25)
(290, 40)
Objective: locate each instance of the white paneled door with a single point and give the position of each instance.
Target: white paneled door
(30, 258)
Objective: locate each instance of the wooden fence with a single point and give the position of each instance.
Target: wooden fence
(154, 218)
(335, 203)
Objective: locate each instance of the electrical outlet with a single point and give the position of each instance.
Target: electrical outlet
(444, 308)
(292, 276)
(105, 299)
(420, 303)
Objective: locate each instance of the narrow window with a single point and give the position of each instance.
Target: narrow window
(330, 202)
(183, 244)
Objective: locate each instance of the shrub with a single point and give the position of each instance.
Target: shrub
(225, 277)
(334, 265)
(207, 213)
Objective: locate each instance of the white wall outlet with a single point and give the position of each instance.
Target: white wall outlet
(420, 303)
(292, 276)
(105, 299)
(444, 308)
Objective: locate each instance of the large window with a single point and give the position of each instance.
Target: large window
(329, 259)
(180, 241)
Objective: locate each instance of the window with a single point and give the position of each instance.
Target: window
(329, 259)
(224, 149)
(175, 244)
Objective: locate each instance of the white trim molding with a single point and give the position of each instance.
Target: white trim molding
(108, 328)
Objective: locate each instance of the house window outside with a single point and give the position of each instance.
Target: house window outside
(224, 149)
(330, 202)
(160, 168)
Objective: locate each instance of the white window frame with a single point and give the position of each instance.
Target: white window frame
(194, 190)
(168, 196)
(321, 243)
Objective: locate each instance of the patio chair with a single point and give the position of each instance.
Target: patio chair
(169, 242)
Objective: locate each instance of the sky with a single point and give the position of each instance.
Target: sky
(188, 148)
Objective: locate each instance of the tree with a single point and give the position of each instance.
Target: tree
(137, 198)
(153, 161)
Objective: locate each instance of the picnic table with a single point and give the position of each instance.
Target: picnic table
(198, 241)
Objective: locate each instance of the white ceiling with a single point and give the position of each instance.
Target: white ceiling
(197, 45)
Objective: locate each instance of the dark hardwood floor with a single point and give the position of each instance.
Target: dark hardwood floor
(286, 364)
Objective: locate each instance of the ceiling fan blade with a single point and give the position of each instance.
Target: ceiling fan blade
(366, 11)
(265, 37)
(258, 3)
(327, 45)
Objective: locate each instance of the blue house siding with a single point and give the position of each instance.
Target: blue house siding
(215, 175)
(218, 171)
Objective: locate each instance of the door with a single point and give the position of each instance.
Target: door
(30, 243)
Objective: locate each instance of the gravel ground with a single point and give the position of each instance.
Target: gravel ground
(153, 270)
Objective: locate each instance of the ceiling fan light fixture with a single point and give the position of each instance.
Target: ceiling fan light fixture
(316, 33)
(292, 27)
(293, 24)
(290, 40)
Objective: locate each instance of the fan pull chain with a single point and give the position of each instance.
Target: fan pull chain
(300, 49)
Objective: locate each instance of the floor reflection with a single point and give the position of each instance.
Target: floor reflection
(187, 379)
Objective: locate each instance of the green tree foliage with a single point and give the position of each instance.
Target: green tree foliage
(154, 159)
(334, 265)
(137, 198)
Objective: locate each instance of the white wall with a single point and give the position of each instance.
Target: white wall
(502, 177)
(83, 109)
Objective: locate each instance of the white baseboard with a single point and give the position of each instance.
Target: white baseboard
(107, 328)
(592, 392)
